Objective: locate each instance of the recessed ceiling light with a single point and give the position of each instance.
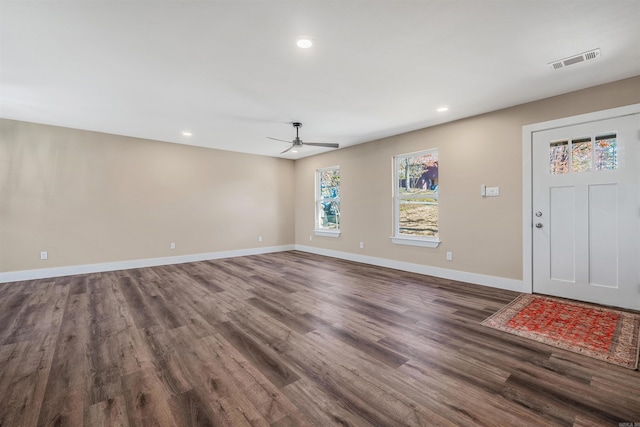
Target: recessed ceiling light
(186, 133)
(294, 151)
(443, 109)
(304, 43)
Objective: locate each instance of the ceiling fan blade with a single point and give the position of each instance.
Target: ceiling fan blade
(288, 149)
(322, 144)
(281, 140)
(297, 142)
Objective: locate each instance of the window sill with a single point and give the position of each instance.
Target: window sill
(327, 233)
(415, 242)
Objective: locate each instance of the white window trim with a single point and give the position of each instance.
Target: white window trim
(325, 232)
(399, 239)
(425, 242)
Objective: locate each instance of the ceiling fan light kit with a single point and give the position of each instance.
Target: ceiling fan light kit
(297, 142)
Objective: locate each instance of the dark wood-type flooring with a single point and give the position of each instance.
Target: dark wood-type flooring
(285, 339)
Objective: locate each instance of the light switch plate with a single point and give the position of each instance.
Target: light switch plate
(493, 191)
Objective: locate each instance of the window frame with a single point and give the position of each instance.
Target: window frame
(407, 239)
(319, 199)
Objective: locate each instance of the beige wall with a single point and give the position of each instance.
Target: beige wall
(88, 197)
(484, 234)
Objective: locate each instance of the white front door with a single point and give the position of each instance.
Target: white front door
(586, 211)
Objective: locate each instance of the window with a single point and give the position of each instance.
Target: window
(582, 156)
(416, 199)
(328, 202)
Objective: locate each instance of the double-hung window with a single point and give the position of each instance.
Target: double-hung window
(328, 202)
(416, 199)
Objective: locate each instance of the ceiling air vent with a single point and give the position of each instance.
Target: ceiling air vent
(585, 56)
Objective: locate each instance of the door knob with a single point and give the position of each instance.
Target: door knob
(539, 225)
(538, 214)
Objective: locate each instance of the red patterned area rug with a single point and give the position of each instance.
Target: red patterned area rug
(591, 330)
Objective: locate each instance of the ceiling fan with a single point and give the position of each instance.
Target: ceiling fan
(297, 142)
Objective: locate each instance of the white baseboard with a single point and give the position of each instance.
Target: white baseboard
(444, 273)
(45, 273)
(462, 276)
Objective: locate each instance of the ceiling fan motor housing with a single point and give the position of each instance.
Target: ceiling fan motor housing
(297, 142)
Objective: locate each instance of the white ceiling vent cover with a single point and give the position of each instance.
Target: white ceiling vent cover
(585, 56)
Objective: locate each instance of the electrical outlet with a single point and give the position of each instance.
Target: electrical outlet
(361, 245)
(259, 238)
(44, 255)
(310, 237)
(449, 256)
(173, 245)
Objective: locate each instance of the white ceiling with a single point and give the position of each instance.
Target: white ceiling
(230, 71)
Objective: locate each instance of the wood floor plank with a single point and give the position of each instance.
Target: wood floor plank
(362, 394)
(147, 400)
(13, 300)
(110, 323)
(263, 395)
(321, 407)
(269, 362)
(111, 412)
(143, 316)
(214, 398)
(373, 349)
(294, 321)
(476, 406)
(69, 368)
(441, 398)
(572, 397)
(285, 339)
(25, 377)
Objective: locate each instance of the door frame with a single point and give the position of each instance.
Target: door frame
(527, 176)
